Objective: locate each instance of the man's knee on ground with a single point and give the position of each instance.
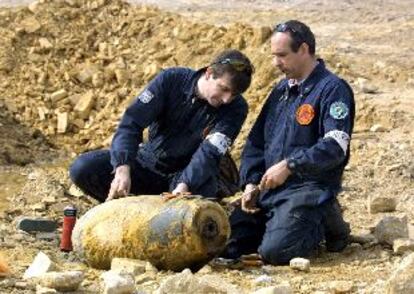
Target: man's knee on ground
(77, 171)
(281, 252)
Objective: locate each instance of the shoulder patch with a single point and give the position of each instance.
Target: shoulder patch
(146, 96)
(304, 114)
(338, 110)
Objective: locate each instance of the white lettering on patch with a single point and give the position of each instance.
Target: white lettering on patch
(220, 141)
(340, 137)
(146, 96)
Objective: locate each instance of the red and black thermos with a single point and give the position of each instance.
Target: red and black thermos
(69, 220)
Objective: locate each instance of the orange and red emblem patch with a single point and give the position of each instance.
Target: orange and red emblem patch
(305, 114)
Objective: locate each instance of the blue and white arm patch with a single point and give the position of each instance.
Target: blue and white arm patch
(146, 96)
(338, 110)
(340, 137)
(220, 141)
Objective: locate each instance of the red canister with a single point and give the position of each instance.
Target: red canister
(69, 220)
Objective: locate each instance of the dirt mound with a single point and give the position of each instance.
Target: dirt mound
(69, 68)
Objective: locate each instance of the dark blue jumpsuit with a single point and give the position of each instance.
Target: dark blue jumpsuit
(187, 138)
(310, 126)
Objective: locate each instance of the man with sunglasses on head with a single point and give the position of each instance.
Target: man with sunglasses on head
(294, 157)
(193, 118)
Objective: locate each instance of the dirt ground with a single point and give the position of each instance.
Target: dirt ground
(57, 53)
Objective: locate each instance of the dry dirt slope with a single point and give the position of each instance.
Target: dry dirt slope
(61, 52)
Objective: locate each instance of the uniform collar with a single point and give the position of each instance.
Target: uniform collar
(190, 91)
(306, 86)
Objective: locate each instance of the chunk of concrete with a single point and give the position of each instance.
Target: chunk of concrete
(127, 265)
(84, 105)
(40, 265)
(299, 263)
(115, 283)
(390, 228)
(61, 281)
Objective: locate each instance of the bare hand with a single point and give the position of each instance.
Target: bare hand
(121, 184)
(249, 198)
(275, 176)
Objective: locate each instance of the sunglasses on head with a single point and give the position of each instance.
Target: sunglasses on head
(237, 64)
(284, 27)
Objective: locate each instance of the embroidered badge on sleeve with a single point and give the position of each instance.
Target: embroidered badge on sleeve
(338, 110)
(304, 114)
(146, 96)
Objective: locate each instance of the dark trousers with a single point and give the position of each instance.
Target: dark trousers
(290, 228)
(93, 173)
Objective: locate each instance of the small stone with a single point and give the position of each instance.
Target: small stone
(301, 264)
(402, 246)
(61, 281)
(341, 287)
(45, 44)
(390, 228)
(40, 265)
(62, 122)
(381, 204)
(58, 95)
(366, 87)
(44, 290)
(283, 288)
(263, 279)
(85, 104)
(130, 266)
(376, 128)
(114, 283)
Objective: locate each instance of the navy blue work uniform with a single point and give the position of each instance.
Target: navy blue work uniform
(310, 126)
(187, 139)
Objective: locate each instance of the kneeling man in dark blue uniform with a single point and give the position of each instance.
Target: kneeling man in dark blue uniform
(294, 157)
(193, 118)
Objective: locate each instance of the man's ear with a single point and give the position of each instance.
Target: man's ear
(304, 48)
(208, 73)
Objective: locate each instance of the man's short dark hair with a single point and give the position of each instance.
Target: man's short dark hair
(299, 33)
(237, 66)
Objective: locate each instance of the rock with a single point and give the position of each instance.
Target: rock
(86, 73)
(207, 269)
(58, 95)
(377, 128)
(44, 290)
(402, 246)
(401, 280)
(263, 279)
(29, 224)
(340, 287)
(299, 263)
(114, 283)
(127, 265)
(186, 282)
(283, 288)
(30, 25)
(381, 204)
(61, 281)
(85, 104)
(390, 228)
(45, 44)
(366, 87)
(40, 265)
(62, 122)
